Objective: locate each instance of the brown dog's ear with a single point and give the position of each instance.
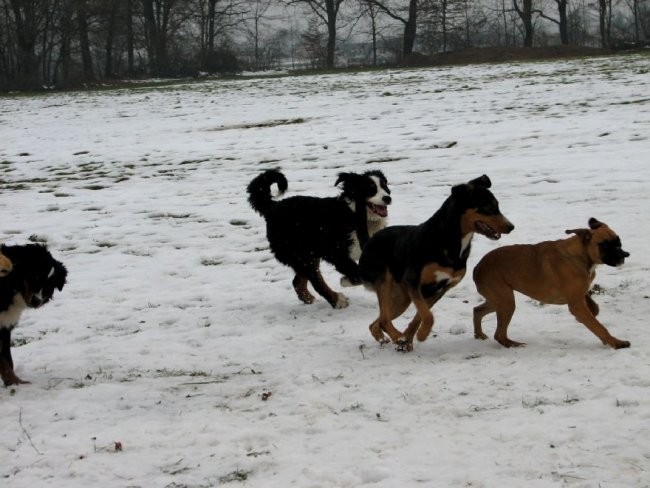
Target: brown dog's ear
(583, 234)
(594, 224)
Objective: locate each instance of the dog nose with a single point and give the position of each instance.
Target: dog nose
(387, 200)
(510, 227)
(626, 254)
(35, 302)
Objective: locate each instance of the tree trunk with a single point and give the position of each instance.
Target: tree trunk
(66, 40)
(331, 33)
(129, 37)
(84, 43)
(27, 75)
(564, 23)
(410, 28)
(603, 15)
(526, 15)
(110, 35)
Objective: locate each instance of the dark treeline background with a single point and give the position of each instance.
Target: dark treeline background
(64, 43)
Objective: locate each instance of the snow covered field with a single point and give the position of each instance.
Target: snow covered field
(179, 356)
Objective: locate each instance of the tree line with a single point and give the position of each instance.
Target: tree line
(62, 43)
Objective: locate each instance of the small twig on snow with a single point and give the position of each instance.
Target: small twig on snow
(29, 438)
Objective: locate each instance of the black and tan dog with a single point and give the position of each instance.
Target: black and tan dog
(417, 264)
(551, 272)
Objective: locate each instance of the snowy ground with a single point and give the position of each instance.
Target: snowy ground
(179, 337)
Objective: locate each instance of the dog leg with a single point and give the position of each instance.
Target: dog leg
(349, 269)
(300, 285)
(581, 311)
(593, 306)
(336, 300)
(479, 312)
(505, 310)
(423, 321)
(378, 333)
(389, 297)
(6, 362)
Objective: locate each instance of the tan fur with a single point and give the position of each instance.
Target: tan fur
(5, 265)
(551, 272)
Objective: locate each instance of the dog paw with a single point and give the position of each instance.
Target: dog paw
(341, 301)
(403, 345)
(621, 345)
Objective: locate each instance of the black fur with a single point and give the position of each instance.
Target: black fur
(303, 230)
(31, 284)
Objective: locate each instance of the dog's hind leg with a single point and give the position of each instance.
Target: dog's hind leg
(479, 312)
(593, 306)
(581, 312)
(300, 285)
(392, 303)
(336, 300)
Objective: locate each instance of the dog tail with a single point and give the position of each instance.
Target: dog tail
(259, 190)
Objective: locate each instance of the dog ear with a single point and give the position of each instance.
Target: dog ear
(482, 181)
(583, 234)
(594, 223)
(343, 178)
(459, 190)
(60, 275)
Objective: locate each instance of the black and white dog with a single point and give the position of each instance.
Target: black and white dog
(30, 284)
(303, 230)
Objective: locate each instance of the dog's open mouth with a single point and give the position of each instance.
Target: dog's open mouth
(381, 210)
(486, 230)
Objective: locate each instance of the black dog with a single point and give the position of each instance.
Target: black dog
(30, 284)
(419, 263)
(304, 230)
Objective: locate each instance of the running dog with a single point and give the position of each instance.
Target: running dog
(303, 230)
(551, 272)
(30, 284)
(418, 263)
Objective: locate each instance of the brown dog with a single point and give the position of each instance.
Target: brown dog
(552, 272)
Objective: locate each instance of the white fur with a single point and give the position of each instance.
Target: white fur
(467, 240)
(375, 222)
(9, 318)
(378, 198)
(442, 276)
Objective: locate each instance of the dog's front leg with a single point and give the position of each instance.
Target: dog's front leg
(6, 362)
(581, 311)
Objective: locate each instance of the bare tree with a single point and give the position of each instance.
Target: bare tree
(407, 15)
(525, 12)
(27, 18)
(561, 21)
(327, 11)
(605, 22)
